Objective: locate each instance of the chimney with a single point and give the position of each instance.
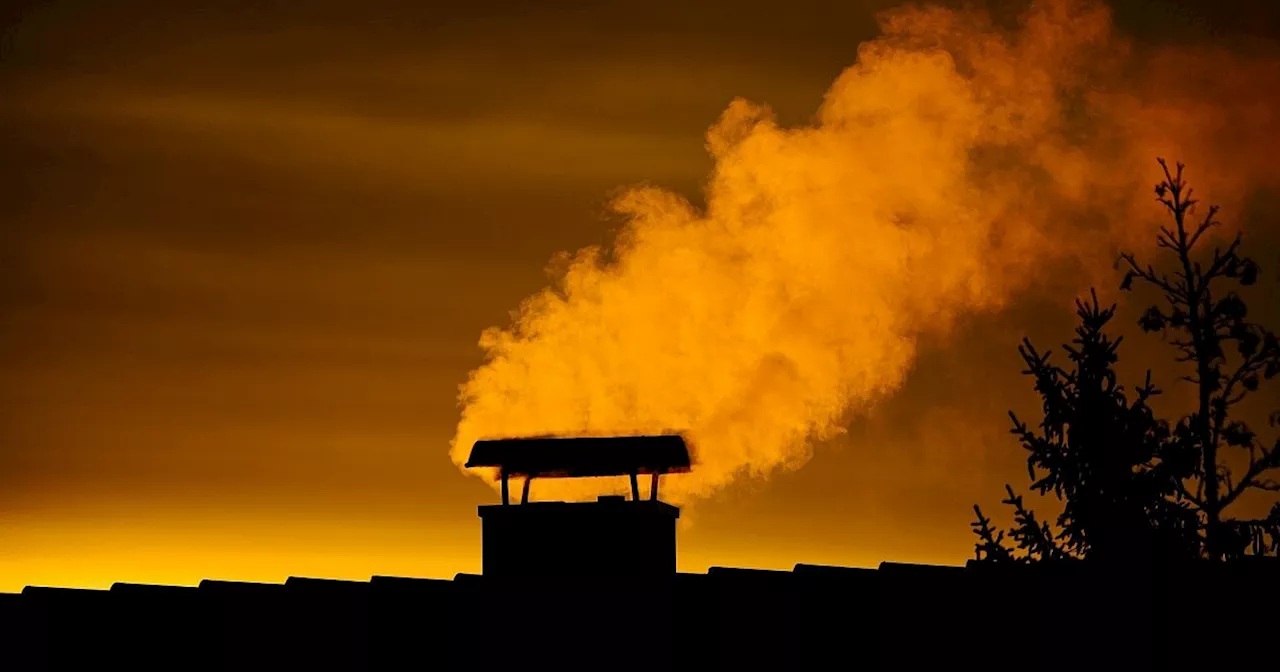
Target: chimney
(614, 536)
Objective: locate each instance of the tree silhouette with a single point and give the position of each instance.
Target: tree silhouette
(1205, 323)
(1096, 449)
(1134, 486)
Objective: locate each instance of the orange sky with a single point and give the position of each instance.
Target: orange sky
(248, 253)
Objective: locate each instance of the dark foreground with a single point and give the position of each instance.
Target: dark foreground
(894, 617)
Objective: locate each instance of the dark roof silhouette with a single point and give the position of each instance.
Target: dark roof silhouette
(586, 585)
(894, 616)
(582, 456)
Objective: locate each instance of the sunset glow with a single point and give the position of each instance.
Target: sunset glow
(269, 269)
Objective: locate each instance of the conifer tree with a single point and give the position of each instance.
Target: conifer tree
(1133, 485)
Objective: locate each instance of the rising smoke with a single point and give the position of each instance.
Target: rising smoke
(950, 167)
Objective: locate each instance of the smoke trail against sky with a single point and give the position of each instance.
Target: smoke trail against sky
(950, 167)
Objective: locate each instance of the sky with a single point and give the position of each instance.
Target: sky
(249, 248)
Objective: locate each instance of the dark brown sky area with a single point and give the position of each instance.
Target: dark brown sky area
(247, 250)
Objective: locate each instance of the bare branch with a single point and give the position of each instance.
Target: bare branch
(1149, 274)
(1269, 460)
(1186, 494)
(1221, 259)
(1204, 225)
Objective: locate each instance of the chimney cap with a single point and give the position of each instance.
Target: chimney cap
(575, 457)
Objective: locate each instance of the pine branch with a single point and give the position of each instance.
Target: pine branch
(990, 541)
(1031, 535)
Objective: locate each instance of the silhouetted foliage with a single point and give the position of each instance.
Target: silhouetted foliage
(1133, 485)
(1207, 323)
(1095, 449)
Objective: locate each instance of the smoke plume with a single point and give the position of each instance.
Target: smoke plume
(952, 166)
